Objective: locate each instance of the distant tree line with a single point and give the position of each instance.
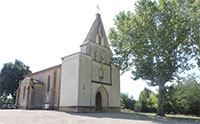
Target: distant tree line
(180, 98)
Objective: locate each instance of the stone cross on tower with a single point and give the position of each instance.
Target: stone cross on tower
(97, 8)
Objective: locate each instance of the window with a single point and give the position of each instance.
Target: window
(102, 41)
(100, 37)
(97, 38)
(102, 57)
(95, 55)
(24, 92)
(48, 83)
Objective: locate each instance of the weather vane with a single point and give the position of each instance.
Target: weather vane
(97, 8)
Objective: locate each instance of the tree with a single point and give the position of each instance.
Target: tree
(192, 10)
(10, 76)
(152, 42)
(147, 102)
(187, 95)
(184, 97)
(170, 105)
(127, 102)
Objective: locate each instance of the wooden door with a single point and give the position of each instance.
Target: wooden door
(98, 102)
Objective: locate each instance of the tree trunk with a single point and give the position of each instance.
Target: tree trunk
(160, 111)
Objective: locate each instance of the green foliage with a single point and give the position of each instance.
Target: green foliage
(183, 98)
(192, 11)
(170, 106)
(10, 76)
(9, 101)
(180, 98)
(153, 41)
(1, 101)
(188, 96)
(127, 102)
(148, 101)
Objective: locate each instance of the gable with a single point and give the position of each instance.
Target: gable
(97, 33)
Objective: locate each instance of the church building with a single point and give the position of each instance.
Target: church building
(86, 81)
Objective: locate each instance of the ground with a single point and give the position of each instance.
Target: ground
(56, 117)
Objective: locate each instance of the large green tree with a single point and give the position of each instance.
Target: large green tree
(10, 75)
(152, 42)
(147, 102)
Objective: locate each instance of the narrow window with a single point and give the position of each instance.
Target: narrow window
(97, 38)
(48, 83)
(95, 55)
(100, 37)
(102, 58)
(102, 41)
(24, 92)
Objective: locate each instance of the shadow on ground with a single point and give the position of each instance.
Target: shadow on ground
(139, 117)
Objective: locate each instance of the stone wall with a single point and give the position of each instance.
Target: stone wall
(50, 96)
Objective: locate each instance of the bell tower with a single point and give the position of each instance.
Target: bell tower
(96, 43)
(89, 80)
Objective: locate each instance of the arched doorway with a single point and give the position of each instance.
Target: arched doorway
(98, 102)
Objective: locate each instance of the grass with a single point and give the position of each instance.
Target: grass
(170, 116)
(188, 117)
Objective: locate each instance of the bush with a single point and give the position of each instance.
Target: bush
(127, 102)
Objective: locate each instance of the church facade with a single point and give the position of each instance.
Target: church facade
(86, 81)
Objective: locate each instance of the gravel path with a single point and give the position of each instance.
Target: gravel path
(56, 117)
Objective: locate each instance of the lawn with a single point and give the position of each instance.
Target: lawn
(177, 116)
